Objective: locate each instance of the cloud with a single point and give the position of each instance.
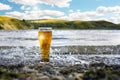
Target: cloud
(35, 14)
(25, 8)
(25, 2)
(114, 13)
(71, 11)
(104, 10)
(61, 3)
(81, 15)
(4, 7)
(111, 14)
(115, 18)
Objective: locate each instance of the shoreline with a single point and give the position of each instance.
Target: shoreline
(46, 71)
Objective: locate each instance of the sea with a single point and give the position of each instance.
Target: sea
(68, 47)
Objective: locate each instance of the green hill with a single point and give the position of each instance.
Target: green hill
(54, 23)
(77, 24)
(8, 23)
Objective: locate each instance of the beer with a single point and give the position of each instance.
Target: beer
(45, 37)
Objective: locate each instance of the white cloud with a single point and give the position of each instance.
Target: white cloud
(47, 17)
(101, 13)
(114, 13)
(111, 14)
(25, 2)
(4, 7)
(17, 14)
(71, 11)
(35, 14)
(115, 18)
(81, 15)
(104, 10)
(25, 8)
(61, 3)
(52, 13)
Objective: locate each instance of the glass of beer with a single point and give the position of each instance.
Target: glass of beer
(45, 38)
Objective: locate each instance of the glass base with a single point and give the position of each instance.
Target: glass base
(45, 60)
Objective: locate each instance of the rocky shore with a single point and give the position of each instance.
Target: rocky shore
(47, 71)
(22, 63)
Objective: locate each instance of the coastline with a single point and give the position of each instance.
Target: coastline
(46, 71)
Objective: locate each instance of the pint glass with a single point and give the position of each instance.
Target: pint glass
(45, 38)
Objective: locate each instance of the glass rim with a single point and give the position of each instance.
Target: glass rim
(45, 28)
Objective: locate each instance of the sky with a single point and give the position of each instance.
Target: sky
(86, 10)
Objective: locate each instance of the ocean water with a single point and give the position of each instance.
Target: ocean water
(61, 37)
(68, 46)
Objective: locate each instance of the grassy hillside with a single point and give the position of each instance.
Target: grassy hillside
(77, 24)
(54, 23)
(8, 23)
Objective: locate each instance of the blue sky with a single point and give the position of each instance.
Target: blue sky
(108, 10)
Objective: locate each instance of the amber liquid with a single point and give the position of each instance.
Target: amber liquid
(45, 38)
